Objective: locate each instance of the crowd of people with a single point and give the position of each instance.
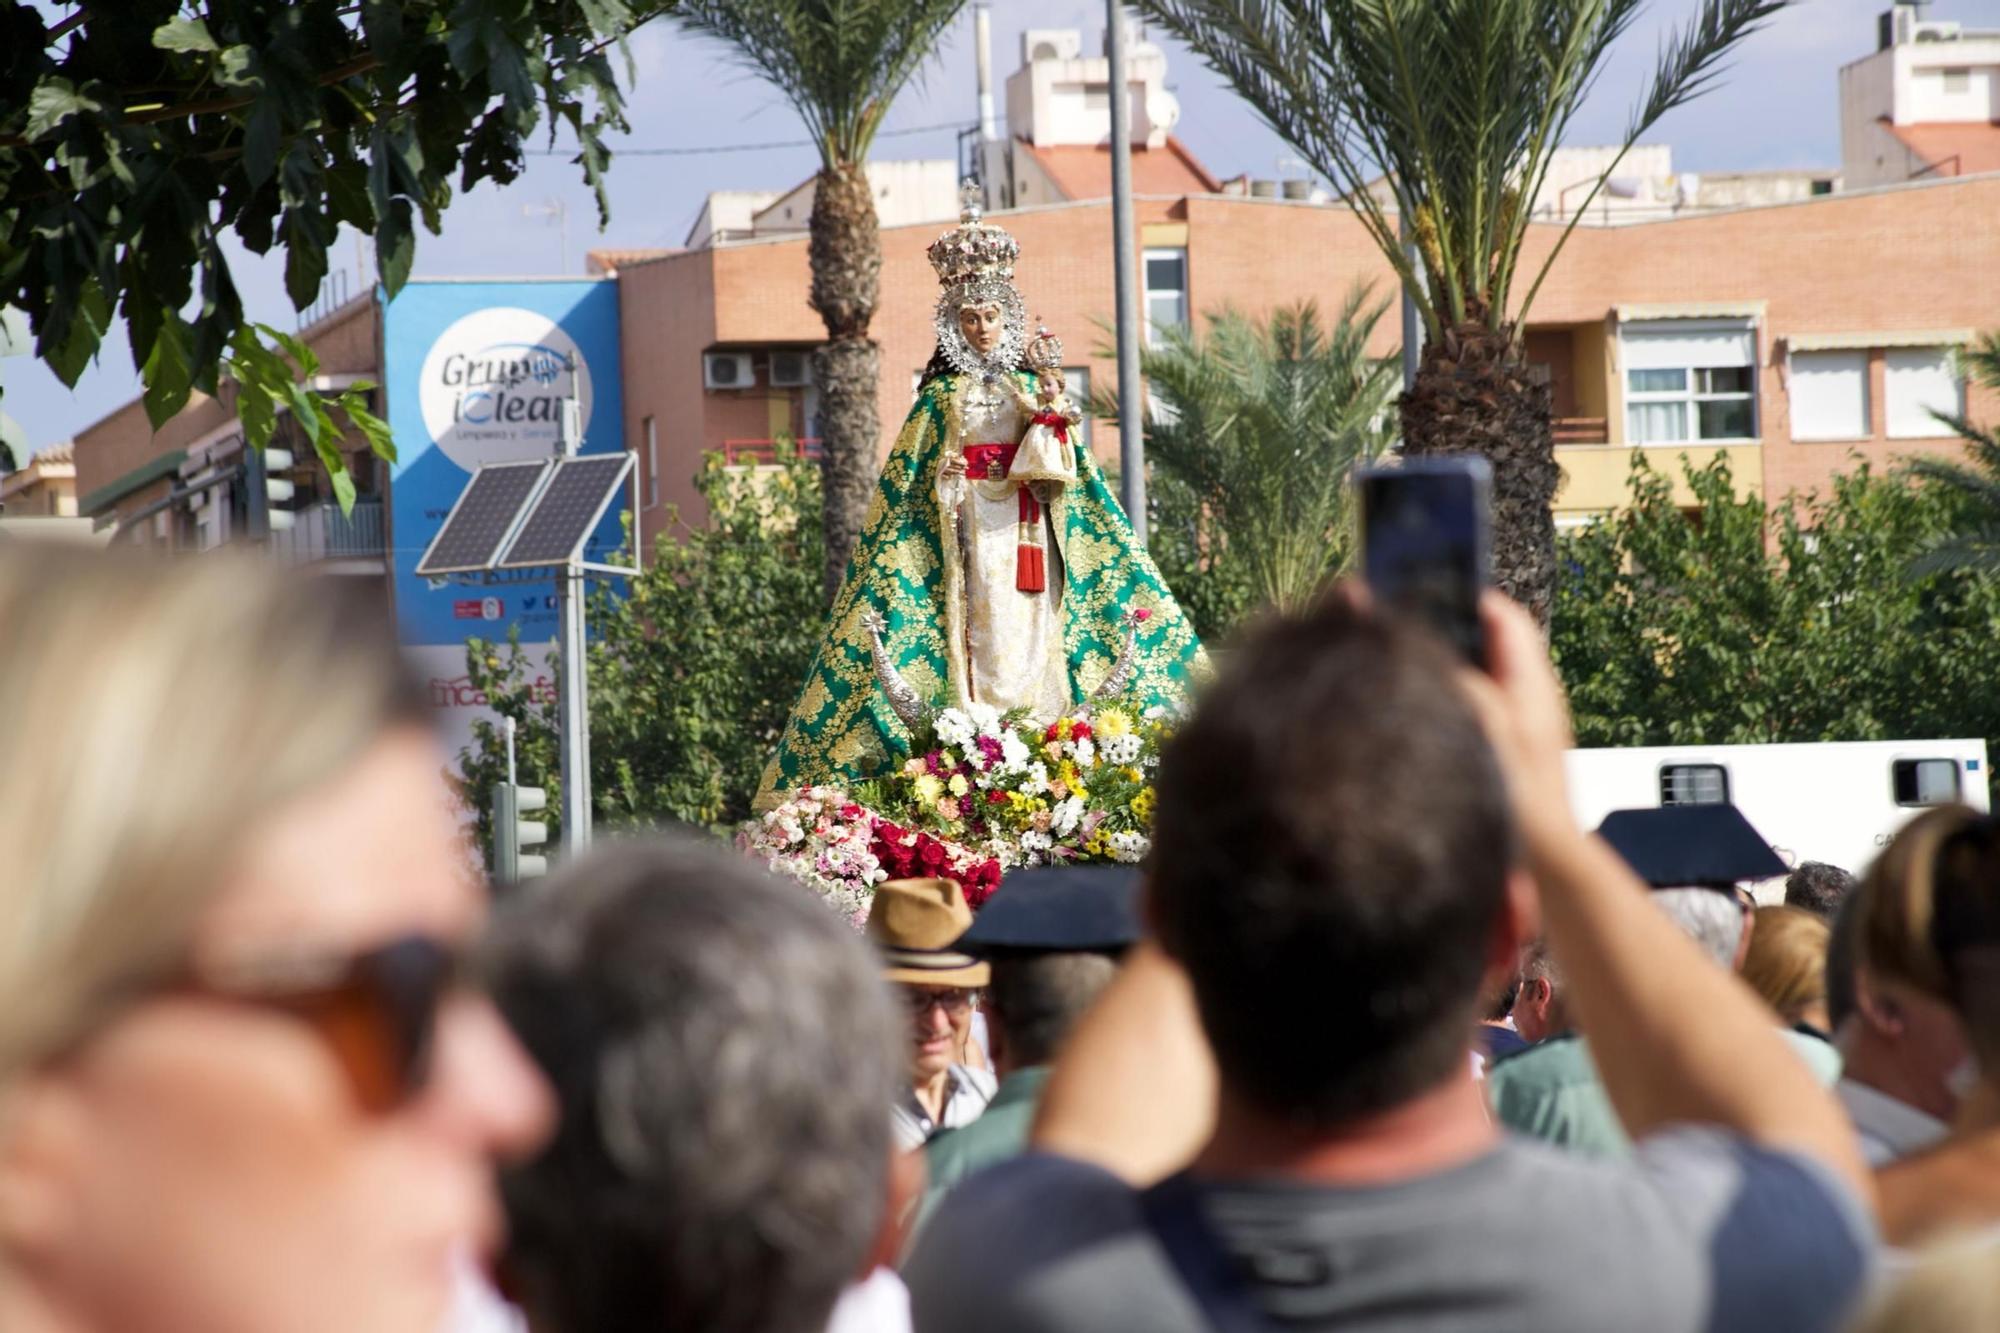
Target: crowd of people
(1378, 1038)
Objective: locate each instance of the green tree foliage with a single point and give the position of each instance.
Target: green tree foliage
(692, 669)
(1976, 543)
(1257, 428)
(1729, 624)
(134, 135)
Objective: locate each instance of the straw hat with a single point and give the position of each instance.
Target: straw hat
(915, 923)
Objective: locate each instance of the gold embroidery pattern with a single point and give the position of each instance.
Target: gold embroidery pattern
(908, 566)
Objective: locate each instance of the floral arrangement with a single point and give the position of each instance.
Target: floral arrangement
(1079, 789)
(983, 792)
(842, 850)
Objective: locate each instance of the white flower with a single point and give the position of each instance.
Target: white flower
(986, 718)
(1038, 778)
(1013, 752)
(1130, 847)
(1155, 713)
(954, 727)
(1085, 751)
(1062, 819)
(1122, 750)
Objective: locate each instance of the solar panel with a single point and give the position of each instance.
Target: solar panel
(483, 517)
(570, 506)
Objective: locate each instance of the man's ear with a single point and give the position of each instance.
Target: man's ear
(1519, 923)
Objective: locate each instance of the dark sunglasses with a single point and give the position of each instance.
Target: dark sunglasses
(377, 1011)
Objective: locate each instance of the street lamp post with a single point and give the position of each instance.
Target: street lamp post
(1125, 266)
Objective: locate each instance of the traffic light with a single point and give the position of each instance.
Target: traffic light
(268, 495)
(511, 832)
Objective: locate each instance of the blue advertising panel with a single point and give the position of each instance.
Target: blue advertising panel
(476, 373)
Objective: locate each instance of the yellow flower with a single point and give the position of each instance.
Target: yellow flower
(1134, 775)
(1111, 722)
(959, 786)
(1062, 729)
(1142, 805)
(929, 788)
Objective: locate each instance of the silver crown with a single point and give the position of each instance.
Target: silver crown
(974, 251)
(1044, 351)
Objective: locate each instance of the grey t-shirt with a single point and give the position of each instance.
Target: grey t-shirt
(1696, 1231)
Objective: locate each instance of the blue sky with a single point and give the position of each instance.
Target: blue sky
(1777, 106)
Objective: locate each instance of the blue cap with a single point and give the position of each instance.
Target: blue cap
(1058, 909)
(1691, 846)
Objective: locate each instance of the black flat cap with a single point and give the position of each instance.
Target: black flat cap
(1691, 846)
(1058, 909)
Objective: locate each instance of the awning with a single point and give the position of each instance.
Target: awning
(165, 465)
(1688, 310)
(1830, 342)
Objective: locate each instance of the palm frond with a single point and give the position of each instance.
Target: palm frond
(840, 63)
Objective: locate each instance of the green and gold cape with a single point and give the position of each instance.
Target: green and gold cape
(843, 730)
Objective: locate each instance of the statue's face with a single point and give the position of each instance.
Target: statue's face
(981, 325)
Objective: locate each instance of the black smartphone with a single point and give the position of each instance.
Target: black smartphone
(1427, 543)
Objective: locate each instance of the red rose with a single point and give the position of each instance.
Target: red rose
(1052, 733)
(850, 811)
(1080, 731)
(930, 855)
(996, 798)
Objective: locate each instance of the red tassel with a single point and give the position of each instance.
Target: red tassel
(1030, 571)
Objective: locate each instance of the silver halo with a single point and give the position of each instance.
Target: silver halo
(1004, 358)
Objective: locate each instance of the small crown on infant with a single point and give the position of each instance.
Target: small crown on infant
(1044, 350)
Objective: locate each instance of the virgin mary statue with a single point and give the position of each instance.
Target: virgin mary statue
(994, 568)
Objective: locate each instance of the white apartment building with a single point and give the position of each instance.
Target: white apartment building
(1925, 104)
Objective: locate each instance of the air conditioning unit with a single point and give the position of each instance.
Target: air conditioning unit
(791, 370)
(726, 370)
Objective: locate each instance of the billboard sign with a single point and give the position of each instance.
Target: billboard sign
(476, 373)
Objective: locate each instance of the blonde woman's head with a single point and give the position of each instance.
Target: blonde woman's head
(1786, 964)
(238, 1090)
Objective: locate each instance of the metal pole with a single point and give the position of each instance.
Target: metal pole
(1125, 266)
(573, 708)
(1413, 329)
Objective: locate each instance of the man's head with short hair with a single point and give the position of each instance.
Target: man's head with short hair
(1818, 888)
(722, 1048)
(1330, 865)
(1036, 998)
(1715, 920)
(1538, 1011)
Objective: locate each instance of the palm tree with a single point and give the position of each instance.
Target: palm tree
(1976, 545)
(1261, 424)
(840, 63)
(1460, 106)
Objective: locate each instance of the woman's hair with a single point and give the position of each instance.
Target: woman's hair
(1786, 962)
(157, 710)
(1930, 918)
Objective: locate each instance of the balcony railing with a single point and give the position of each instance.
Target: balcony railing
(322, 532)
(763, 453)
(1582, 430)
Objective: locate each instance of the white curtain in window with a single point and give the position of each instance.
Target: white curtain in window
(1656, 423)
(1683, 343)
(1829, 395)
(1916, 382)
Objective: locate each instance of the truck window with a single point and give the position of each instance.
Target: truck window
(1925, 781)
(1694, 784)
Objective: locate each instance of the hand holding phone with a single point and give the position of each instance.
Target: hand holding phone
(1427, 543)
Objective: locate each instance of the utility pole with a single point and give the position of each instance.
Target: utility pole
(573, 711)
(1125, 269)
(1413, 329)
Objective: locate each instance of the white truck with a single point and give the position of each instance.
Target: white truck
(1838, 801)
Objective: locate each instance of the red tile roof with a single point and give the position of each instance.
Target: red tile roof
(1083, 171)
(1951, 149)
(609, 261)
